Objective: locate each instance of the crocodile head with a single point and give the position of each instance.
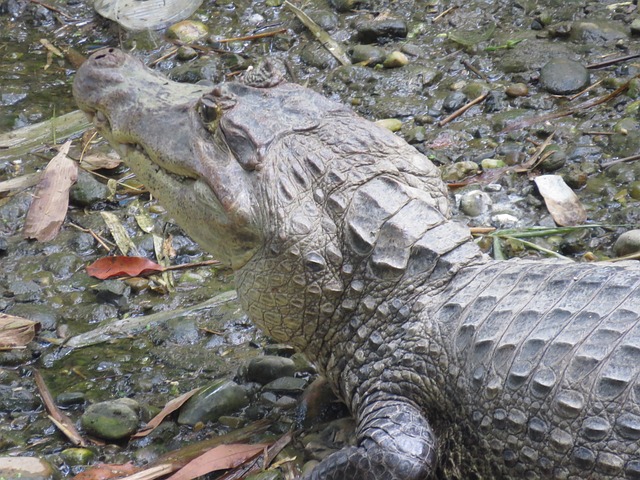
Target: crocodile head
(286, 186)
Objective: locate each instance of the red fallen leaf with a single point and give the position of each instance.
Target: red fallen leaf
(168, 409)
(119, 266)
(221, 457)
(107, 471)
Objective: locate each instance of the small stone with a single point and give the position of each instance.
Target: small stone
(88, 190)
(67, 399)
(266, 369)
(25, 468)
(635, 26)
(286, 385)
(459, 170)
(562, 76)
(188, 31)
(475, 203)
(597, 32)
(111, 420)
(453, 101)
(370, 31)
(77, 456)
(634, 190)
(186, 53)
(628, 243)
(392, 124)
(517, 90)
(504, 220)
(554, 158)
(222, 397)
(368, 55)
(489, 163)
(395, 59)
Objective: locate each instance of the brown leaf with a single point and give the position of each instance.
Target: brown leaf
(119, 266)
(99, 161)
(61, 421)
(168, 409)
(16, 331)
(106, 471)
(49, 206)
(219, 458)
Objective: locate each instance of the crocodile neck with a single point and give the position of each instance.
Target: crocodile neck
(351, 241)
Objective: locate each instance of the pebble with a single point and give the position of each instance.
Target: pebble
(268, 368)
(453, 101)
(111, 420)
(627, 243)
(188, 31)
(459, 170)
(77, 456)
(395, 59)
(223, 397)
(371, 31)
(25, 468)
(391, 124)
(88, 190)
(562, 76)
(369, 55)
(517, 90)
(598, 32)
(286, 385)
(475, 203)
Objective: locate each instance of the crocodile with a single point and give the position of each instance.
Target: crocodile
(454, 365)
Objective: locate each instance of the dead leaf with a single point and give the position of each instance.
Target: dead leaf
(119, 233)
(168, 409)
(51, 200)
(106, 471)
(119, 266)
(99, 161)
(222, 457)
(61, 421)
(563, 204)
(16, 331)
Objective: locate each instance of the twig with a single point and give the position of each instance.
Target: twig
(446, 12)
(463, 109)
(570, 111)
(469, 66)
(98, 238)
(633, 256)
(192, 265)
(271, 33)
(53, 9)
(620, 160)
(613, 61)
(588, 89)
(172, 51)
(323, 37)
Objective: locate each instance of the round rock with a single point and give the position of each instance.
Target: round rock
(222, 397)
(475, 203)
(627, 243)
(562, 76)
(266, 369)
(111, 420)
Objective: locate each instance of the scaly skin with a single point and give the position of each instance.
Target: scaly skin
(453, 365)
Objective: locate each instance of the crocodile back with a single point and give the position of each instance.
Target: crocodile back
(547, 359)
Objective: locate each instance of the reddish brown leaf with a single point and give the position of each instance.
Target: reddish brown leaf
(119, 266)
(107, 471)
(49, 205)
(168, 409)
(219, 458)
(16, 331)
(61, 421)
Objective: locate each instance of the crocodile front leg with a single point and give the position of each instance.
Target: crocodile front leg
(395, 442)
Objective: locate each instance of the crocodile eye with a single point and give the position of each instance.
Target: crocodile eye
(210, 112)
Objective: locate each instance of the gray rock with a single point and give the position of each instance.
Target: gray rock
(475, 203)
(88, 190)
(223, 397)
(370, 31)
(562, 76)
(454, 101)
(370, 55)
(627, 243)
(599, 32)
(286, 385)
(111, 420)
(268, 368)
(25, 468)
